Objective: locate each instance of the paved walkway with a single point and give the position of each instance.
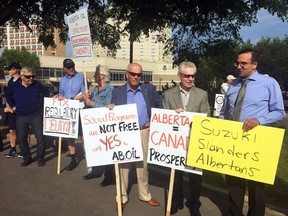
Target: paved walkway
(36, 191)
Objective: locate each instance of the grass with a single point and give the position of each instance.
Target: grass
(277, 194)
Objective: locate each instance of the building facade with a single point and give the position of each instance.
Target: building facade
(22, 37)
(148, 51)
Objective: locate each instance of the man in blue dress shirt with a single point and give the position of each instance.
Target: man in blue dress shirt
(262, 105)
(71, 87)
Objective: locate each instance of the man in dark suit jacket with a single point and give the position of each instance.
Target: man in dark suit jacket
(145, 97)
(186, 97)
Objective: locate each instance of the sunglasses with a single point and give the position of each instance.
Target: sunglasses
(134, 74)
(29, 76)
(187, 75)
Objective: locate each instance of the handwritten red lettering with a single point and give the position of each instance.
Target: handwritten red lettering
(111, 142)
(175, 141)
(171, 119)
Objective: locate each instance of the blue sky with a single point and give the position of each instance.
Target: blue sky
(267, 26)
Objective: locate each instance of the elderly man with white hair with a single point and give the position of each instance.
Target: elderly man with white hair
(100, 97)
(225, 86)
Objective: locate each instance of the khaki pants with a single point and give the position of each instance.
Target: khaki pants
(141, 171)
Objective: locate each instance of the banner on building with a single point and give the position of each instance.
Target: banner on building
(169, 139)
(222, 146)
(111, 136)
(61, 117)
(80, 35)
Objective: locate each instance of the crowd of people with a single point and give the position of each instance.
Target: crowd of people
(252, 98)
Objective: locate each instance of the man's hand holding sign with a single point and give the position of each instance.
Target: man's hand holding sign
(223, 146)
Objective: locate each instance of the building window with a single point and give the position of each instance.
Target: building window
(147, 76)
(117, 75)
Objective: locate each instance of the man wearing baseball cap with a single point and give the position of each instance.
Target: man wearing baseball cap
(225, 86)
(71, 87)
(14, 71)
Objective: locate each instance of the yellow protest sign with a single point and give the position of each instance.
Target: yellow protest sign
(222, 146)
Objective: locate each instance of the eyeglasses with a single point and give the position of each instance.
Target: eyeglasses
(187, 75)
(29, 76)
(242, 64)
(134, 74)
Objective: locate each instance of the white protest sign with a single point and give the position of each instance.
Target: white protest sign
(80, 36)
(61, 117)
(111, 136)
(169, 139)
(219, 99)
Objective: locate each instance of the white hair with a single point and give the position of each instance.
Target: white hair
(185, 64)
(25, 70)
(104, 70)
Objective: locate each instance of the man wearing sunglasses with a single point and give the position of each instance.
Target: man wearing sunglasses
(145, 97)
(26, 99)
(261, 104)
(186, 97)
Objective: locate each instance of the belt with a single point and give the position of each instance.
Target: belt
(144, 127)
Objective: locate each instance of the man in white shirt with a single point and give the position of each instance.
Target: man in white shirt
(225, 86)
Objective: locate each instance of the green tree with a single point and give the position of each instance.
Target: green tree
(193, 21)
(22, 56)
(273, 58)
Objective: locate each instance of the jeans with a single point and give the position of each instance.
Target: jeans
(22, 130)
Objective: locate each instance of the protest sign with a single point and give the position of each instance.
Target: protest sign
(61, 117)
(219, 99)
(169, 139)
(111, 136)
(222, 146)
(80, 36)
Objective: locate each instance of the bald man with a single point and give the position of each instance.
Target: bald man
(145, 97)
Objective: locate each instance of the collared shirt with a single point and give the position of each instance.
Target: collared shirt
(28, 100)
(70, 87)
(102, 98)
(263, 100)
(224, 87)
(185, 97)
(137, 97)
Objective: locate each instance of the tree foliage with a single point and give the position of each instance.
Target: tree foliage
(193, 21)
(215, 62)
(273, 58)
(23, 56)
